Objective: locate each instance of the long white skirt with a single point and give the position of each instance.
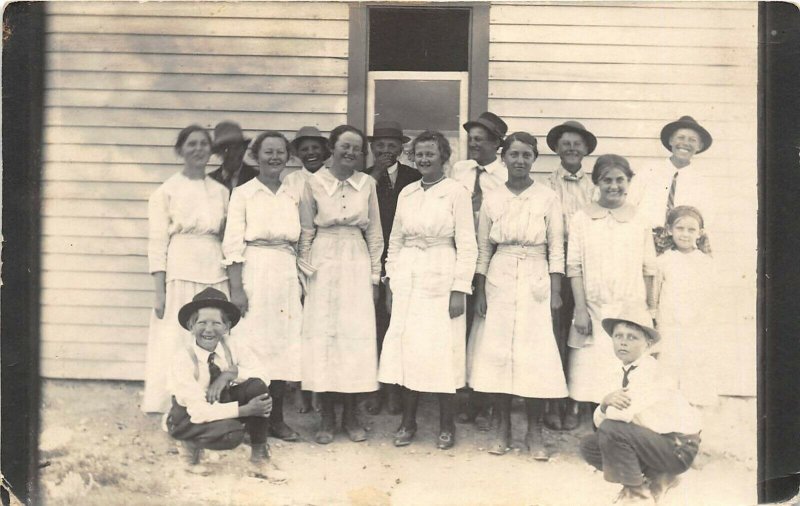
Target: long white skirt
(424, 348)
(514, 351)
(340, 351)
(166, 338)
(272, 325)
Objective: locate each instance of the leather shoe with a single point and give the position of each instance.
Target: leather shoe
(282, 431)
(446, 440)
(404, 435)
(356, 432)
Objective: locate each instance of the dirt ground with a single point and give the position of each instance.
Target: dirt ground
(99, 449)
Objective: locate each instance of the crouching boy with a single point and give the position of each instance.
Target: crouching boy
(219, 390)
(647, 432)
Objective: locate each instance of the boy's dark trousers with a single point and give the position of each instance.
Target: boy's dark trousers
(222, 434)
(626, 453)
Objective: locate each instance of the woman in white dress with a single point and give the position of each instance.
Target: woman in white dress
(429, 269)
(518, 283)
(341, 238)
(186, 217)
(611, 264)
(260, 251)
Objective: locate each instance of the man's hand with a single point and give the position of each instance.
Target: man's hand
(258, 406)
(216, 388)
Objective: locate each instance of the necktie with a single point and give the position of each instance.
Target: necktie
(477, 192)
(625, 375)
(213, 369)
(671, 197)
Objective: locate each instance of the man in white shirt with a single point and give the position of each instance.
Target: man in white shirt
(482, 172)
(647, 432)
(676, 181)
(219, 389)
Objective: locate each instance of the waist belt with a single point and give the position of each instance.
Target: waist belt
(522, 252)
(424, 242)
(340, 231)
(287, 246)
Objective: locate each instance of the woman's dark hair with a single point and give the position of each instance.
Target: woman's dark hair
(186, 132)
(703, 244)
(255, 147)
(605, 163)
(523, 137)
(341, 129)
(433, 136)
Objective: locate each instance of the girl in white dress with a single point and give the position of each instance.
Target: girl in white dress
(186, 217)
(518, 284)
(610, 263)
(429, 270)
(260, 251)
(342, 239)
(684, 294)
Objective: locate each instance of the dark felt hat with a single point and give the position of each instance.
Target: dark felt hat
(685, 122)
(388, 130)
(225, 133)
(308, 132)
(639, 318)
(210, 297)
(490, 122)
(571, 126)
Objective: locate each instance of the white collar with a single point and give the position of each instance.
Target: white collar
(673, 168)
(565, 174)
(201, 353)
(391, 170)
(259, 186)
(356, 180)
(493, 167)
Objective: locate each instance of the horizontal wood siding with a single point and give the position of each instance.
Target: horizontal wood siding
(121, 80)
(625, 70)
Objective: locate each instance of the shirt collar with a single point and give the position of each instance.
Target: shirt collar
(642, 361)
(259, 186)
(356, 180)
(622, 214)
(391, 170)
(568, 176)
(493, 167)
(202, 354)
(673, 168)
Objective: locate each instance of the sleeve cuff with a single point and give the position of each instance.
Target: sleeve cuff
(376, 279)
(482, 269)
(235, 259)
(556, 270)
(462, 286)
(574, 271)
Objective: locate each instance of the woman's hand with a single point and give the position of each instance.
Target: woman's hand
(582, 322)
(160, 302)
(479, 303)
(555, 301)
(388, 296)
(376, 293)
(618, 399)
(239, 299)
(457, 304)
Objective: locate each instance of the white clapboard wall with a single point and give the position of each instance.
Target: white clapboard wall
(121, 80)
(625, 70)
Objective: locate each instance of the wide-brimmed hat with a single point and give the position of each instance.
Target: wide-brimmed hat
(685, 122)
(227, 132)
(388, 130)
(490, 122)
(639, 318)
(571, 126)
(210, 297)
(308, 132)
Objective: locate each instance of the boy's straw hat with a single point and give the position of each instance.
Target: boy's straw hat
(639, 318)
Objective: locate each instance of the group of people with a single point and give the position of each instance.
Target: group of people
(432, 279)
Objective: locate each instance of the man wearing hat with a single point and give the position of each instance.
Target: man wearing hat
(571, 142)
(219, 389)
(647, 432)
(312, 149)
(230, 144)
(481, 173)
(678, 180)
(386, 143)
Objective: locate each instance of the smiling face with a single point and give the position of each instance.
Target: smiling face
(387, 149)
(630, 342)
(209, 328)
(519, 158)
(684, 142)
(196, 149)
(312, 153)
(428, 160)
(482, 146)
(272, 156)
(613, 187)
(347, 151)
(685, 233)
(571, 148)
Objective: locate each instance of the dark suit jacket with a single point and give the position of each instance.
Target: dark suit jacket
(246, 173)
(387, 200)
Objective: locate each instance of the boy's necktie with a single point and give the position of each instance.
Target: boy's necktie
(671, 196)
(625, 375)
(213, 369)
(477, 192)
